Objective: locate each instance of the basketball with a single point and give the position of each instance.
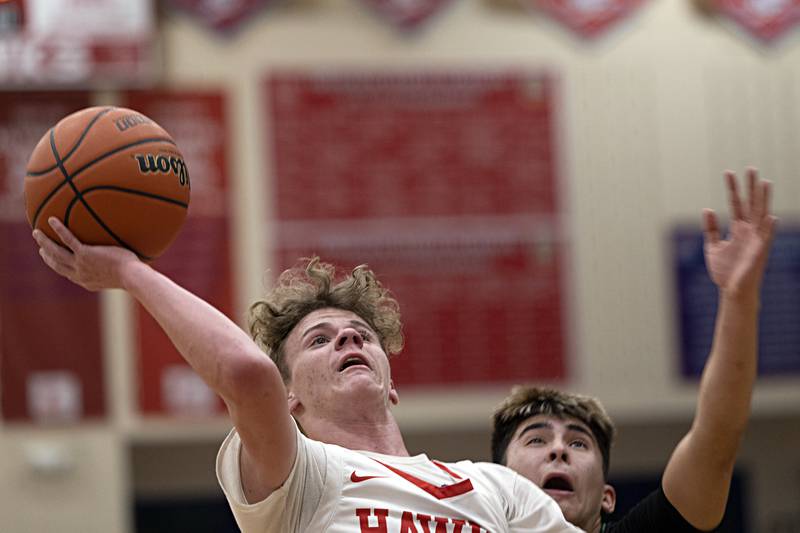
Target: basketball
(113, 177)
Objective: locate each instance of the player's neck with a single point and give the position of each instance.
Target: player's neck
(595, 526)
(374, 434)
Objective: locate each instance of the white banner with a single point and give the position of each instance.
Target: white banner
(73, 42)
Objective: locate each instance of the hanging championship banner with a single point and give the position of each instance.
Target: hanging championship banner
(199, 259)
(588, 18)
(766, 20)
(51, 360)
(221, 15)
(74, 42)
(406, 14)
(446, 185)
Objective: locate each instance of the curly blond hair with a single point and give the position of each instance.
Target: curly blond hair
(525, 402)
(303, 289)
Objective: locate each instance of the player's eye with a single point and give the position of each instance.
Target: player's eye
(579, 444)
(318, 340)
(534, 440)
(366, 335)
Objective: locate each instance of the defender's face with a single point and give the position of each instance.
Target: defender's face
(335, 357)
(562, 457)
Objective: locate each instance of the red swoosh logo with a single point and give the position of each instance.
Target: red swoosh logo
(440, 493)
(355, 478)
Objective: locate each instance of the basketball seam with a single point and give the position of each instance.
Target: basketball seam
(96, 160)
(68, 179)
(102, 112)
(123, 189)
(138, 192)
(85, 192)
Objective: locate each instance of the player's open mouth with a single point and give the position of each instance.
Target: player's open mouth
(354, 361)
(558, 484)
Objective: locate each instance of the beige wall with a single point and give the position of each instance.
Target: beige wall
(63, 480)
(651, 116)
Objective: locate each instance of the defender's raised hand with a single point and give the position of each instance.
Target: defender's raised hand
(736, 264)
(92, 267)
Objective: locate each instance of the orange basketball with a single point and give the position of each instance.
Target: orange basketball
(113, 177)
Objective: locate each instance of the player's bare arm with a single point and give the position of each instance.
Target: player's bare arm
(216, 348)
(697, 477)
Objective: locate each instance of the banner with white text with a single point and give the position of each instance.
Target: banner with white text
(68, 42)
(51, 359)
(200, 258)
(447, 186)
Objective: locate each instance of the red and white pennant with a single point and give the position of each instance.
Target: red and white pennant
(221, 15)
(588, 18)
(767, 20)
(406, 14)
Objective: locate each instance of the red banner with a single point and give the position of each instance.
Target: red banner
(767, 20)
(224, 16)
(51, 361)
(446, 185)
(199, 259)
(71, 42)
(407, 14)
(588, 18)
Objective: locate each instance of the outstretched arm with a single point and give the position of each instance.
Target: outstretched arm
(698, 475)
(216, 348)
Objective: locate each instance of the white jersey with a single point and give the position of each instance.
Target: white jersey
(335, 490)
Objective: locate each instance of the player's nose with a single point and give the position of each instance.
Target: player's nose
(558, 451)
(349, 336)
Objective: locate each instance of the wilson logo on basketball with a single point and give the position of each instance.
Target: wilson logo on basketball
(129, 121)
(164, 164)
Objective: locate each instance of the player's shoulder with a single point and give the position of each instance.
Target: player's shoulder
(492, 473)
(492, 469)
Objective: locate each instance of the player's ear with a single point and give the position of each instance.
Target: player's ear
(609, 501)
(393, 396)
(293, 402)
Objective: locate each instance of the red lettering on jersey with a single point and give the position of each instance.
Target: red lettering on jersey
(441, 523)
(363, 520)
(407, 523)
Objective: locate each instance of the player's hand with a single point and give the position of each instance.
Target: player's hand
(92, 267)
(736, 265)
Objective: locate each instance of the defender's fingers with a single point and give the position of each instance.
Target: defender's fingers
(762, 209)
(753, 192)
(767, 227)
(733, 195)
(710, 226)
(70, 240)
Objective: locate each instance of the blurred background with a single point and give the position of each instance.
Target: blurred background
(526, 175)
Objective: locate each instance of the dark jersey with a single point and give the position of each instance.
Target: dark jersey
(654, 514)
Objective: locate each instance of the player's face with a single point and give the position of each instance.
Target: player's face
(562, 457)
(335, 357)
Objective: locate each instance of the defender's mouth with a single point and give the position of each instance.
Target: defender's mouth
(559, 483)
